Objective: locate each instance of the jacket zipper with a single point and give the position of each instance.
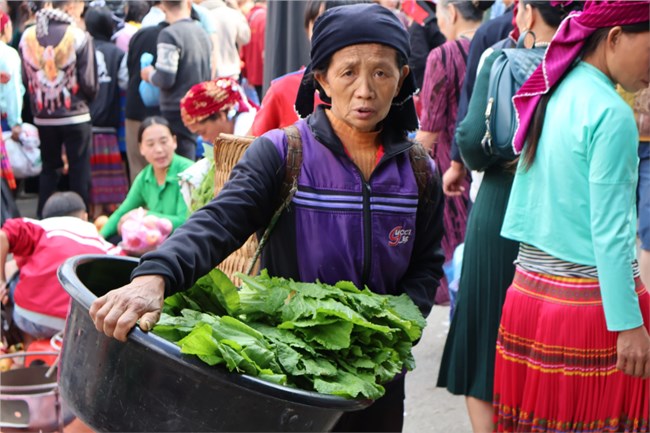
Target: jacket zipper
(367, 223)
(366, 190)
(366, 232)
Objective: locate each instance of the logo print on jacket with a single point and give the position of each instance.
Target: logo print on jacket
(399, 235)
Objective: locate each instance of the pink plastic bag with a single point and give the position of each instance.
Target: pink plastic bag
(142, 232)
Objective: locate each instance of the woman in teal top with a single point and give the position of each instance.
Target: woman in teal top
(467, 365)
(156, 187)
(573, 351)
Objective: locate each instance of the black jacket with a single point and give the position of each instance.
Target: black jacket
(143, 41)
(424, 38)
(105, 109)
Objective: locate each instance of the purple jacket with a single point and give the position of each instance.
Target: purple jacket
(339, 227)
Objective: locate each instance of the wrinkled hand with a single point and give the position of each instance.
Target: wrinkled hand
(145, 73)
(633, 352)
(117, 312)
(452, 180)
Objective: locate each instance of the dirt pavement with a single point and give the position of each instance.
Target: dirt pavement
(430, 409)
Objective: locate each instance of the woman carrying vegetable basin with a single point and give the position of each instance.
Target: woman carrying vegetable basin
(368, 208)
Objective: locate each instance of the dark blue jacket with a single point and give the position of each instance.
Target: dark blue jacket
(105, 108)
(339, 227)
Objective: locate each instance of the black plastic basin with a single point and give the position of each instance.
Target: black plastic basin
(146, 384)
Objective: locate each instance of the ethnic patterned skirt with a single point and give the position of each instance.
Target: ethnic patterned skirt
(555, 367)
(109, 181)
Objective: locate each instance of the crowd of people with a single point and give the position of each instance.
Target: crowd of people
(516, 130)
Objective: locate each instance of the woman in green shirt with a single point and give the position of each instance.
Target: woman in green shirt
(156, 187)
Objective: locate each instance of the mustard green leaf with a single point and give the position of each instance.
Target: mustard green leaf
(199, 342)
(348, 385)
(333, 336)
(211, 359)
(318, 366)
(277, 335)
(234, 329)
(406, 309)
(234, 360)
(263, 358)
(347, 286)
(179, 301)
(225, 291)
(269, 376)
(314, 290)
(289, 358)
(298, 306)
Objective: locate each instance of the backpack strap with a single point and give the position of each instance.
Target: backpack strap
(287, 190)
(421, 168)
(294, 163)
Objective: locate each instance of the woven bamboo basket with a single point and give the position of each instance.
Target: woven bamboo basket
(228, 149)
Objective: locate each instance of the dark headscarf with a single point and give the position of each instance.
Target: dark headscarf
(343, 26)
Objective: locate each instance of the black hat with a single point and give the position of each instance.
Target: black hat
(343, 26)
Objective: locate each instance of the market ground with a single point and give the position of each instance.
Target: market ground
(428, 409)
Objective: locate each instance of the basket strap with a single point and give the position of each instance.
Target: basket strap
(288, 189)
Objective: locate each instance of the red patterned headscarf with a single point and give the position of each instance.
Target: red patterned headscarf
(4, 19)
(210, 97)
(566, 47)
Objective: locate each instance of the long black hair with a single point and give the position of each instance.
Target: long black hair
(535, 130)
(99, 22)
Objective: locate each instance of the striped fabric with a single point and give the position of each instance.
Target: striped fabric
(555, 367)
(335, 200)
(535, 260)
(109, 184)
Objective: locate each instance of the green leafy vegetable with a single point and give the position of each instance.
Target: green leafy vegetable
(331, 339)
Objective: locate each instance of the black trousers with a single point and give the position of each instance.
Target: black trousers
(185, 140)
(78, 141)
(384, 415)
